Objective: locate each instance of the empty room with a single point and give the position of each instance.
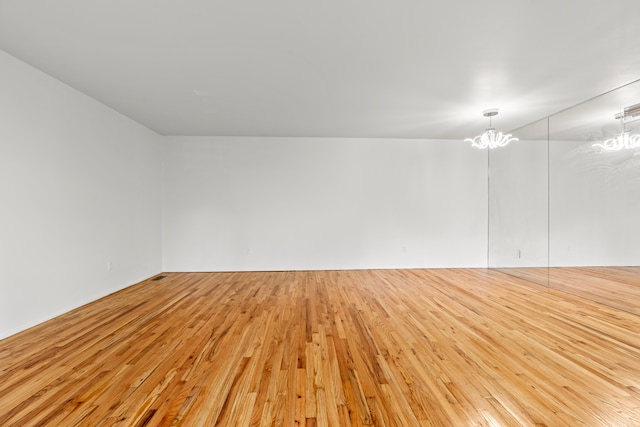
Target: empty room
(306, 213)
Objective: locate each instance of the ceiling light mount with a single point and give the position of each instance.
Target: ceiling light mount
(629, 114)
(490, 138)
(490, 112)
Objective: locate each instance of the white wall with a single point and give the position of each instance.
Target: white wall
(79, 188)
(326, 203)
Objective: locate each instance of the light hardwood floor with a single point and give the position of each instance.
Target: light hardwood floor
(617, 287)
(328, 348)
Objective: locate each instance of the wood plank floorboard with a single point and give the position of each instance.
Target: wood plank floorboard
(617, 287)
(463, 347)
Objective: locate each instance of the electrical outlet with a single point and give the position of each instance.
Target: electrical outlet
(518, 254)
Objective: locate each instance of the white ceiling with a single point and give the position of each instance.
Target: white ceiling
(329, 68)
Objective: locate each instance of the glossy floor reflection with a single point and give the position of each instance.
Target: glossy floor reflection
(617, 287)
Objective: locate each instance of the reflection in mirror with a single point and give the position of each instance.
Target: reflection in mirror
(594, 199)
(626, 139)
(518, 214)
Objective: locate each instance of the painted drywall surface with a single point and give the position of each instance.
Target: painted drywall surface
(322, 203)
(80, 197)
(594, 206)
(518, 205)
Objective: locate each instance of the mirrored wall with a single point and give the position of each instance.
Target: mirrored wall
(564, 201)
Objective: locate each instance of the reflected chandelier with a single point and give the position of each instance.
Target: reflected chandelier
(624, 140)
(490, 138)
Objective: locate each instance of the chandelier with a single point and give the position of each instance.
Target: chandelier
(624, 140)
(490, 138)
